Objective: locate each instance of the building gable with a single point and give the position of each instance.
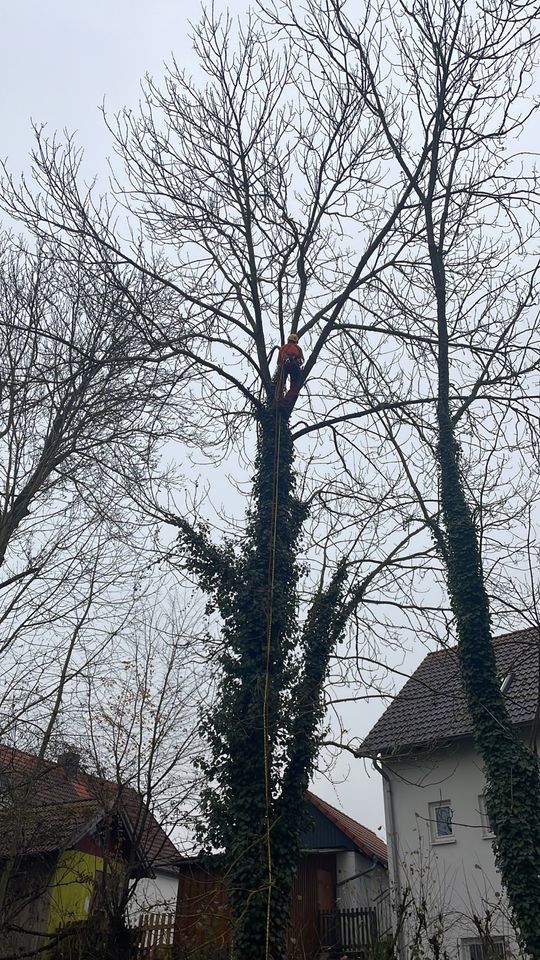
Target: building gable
(322, 834)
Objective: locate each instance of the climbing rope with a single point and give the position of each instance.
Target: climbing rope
(266, 696)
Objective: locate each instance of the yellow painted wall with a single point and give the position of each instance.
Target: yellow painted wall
(72, 887)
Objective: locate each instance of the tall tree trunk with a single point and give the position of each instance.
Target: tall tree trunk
(511, 768)
(259, 631)
(263, 732)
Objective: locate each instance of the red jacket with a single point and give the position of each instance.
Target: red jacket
(290, 351)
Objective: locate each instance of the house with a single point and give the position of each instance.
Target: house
(65, 837)
(439, 836)
(339, 901)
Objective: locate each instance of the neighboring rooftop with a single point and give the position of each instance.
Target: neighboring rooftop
(63, 803)
(363, 839)
(431, 706)
(342, 832)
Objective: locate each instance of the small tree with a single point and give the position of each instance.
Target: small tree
(83, 411)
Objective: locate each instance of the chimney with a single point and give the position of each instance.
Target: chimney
(70, 760)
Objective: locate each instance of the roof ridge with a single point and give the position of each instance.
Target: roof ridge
(499, 636)
(516, 633)
(51, 765)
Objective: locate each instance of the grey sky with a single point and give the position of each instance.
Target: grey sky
(58, 60)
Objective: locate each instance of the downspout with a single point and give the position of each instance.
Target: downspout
(392, 837)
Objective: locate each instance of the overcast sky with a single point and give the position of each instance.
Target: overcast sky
(59, 60)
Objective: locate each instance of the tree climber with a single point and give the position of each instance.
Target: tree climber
(290, 360)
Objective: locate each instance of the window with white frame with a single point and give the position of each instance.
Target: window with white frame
(441, 818)
(488, 829)
(489, 948)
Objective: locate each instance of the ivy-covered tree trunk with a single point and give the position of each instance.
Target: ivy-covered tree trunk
(247, 730)
(263, 732)
(511, 768)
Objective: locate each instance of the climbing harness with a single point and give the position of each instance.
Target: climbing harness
(290, 359)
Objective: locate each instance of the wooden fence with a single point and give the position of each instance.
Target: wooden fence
(155, 936)
(350, 930)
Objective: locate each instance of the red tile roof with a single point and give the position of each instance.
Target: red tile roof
(431, 706)
(63, 807)
(366, 840)
(39, 829)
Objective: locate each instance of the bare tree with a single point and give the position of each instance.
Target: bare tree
(131, 735)
(83, 412)
(274, 199)
(246, 192)
(460, 308)
(140, 728)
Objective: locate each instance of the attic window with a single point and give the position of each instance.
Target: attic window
(506, 680)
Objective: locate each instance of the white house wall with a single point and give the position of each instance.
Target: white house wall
(358, 891)
(155, 896)
(455, 877)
